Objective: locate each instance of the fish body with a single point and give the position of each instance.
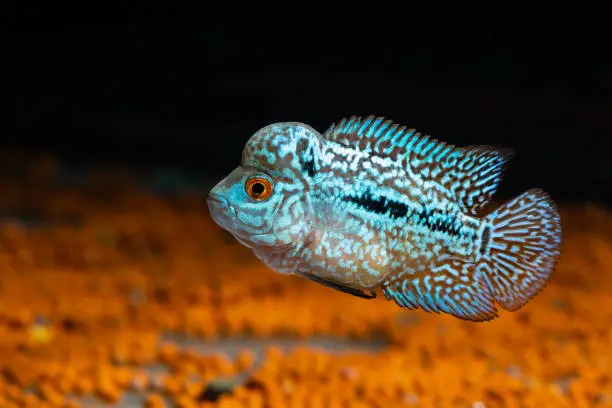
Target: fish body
(371, 204)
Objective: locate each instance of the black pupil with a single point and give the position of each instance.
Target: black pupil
(258, 189)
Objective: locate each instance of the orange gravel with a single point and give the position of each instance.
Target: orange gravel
(85, 297)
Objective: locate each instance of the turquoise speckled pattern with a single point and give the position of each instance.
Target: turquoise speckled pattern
(371, 204)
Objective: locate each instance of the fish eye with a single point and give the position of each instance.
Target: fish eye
(258, 188)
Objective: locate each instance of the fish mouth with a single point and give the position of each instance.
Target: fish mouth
(224, 214)
(217, 201)
(221, 211)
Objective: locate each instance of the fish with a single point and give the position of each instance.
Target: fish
(371, 206)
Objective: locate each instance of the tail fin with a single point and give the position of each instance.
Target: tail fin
(524, 243)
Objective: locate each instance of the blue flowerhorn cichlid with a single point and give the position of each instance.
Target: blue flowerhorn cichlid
(371, 204)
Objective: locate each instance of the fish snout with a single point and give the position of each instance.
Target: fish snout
(220, 209)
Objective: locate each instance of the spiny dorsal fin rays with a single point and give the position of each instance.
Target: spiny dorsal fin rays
(369, 134)
(469, 175)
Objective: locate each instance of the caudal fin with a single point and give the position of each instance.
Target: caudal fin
(522, 249)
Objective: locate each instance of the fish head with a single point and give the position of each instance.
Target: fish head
(263, 203)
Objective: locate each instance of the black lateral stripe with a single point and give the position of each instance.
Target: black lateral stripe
(382, 205)
(438, 220)
(431, 218)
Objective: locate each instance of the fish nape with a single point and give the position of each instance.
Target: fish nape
(382, 206)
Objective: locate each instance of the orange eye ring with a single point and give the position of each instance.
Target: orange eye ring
(258, 188)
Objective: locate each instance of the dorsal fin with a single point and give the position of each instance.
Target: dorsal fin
(467, 175)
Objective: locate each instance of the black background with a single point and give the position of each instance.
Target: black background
(186, 84)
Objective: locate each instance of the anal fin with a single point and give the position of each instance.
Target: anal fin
(454, 287)
(339, 286)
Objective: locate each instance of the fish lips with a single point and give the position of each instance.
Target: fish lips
(221, 211)
(224, 214)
